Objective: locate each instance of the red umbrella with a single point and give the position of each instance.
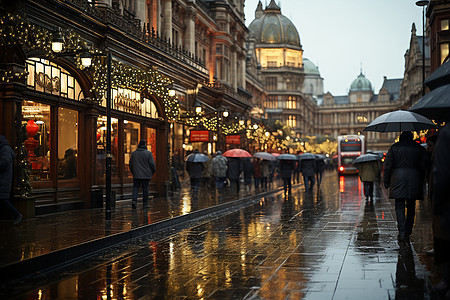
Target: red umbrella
(237, 153)
(275, 154)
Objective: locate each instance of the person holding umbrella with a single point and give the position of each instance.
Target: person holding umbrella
(308, 168)
(404, 173)
(219, 165)
(286, 168)
(195, 168)
(367, 170)
(234, 173)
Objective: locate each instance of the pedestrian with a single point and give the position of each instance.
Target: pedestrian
(308, 169)
(265, 173)
(368, 171)
(206, 178)
(286, 167)
(297, 172)
(404, 172)
(257, 172)
(320, 166)
(247, 167)
(7, 156)
(195, 171)
(234, 173)
(142, 166)
(441, 209)
(219, 166)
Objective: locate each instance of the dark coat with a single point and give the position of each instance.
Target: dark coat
(234, 168)
(142, 164)
(320, 165)
(308, 167)
(7, 156)
(248, 170)
(286, 167)
(195, 169)
(257, 169)
(404, 170)
(441, 183)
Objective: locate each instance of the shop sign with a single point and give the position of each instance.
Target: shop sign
(199, 136)
(49, 84)
(127, 104)
(233, 139)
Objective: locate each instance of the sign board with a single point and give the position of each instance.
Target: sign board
(199, 136)
(233, 139)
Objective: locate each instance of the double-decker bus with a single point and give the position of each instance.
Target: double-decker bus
(349, 148)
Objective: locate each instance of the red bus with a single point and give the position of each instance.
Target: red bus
(349, 148)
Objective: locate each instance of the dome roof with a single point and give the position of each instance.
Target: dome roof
(274, 28)
(310, 68)
(361, 83)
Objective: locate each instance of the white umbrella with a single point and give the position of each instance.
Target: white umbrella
(399, 121)
(264, 155)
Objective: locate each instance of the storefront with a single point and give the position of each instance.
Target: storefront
(65, 137)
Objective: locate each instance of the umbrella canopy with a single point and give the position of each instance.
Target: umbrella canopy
(264, 155)
(196, 157)
(275, 154)
(435, 105)
(366, 158)
(320, 156)
(287, 157)
(237, 153)
(307, 156)
(399, 121)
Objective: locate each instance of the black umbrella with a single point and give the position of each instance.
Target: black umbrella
(305, 156)
(399, 121)
(435, 105)
(366, 158)
(320, 156)
(287, 157)
(196, 157)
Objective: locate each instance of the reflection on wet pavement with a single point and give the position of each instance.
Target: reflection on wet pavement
(325, 244)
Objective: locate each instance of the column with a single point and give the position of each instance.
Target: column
(189, 36)
(233, 70)
(167, 20)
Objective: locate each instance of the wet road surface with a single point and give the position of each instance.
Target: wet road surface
(328, 244)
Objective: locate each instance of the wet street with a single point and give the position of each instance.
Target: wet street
(327, 244)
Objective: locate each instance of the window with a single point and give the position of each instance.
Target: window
(132, 133)
(291, 102)
(151, 142)
(359, 99)
(67, 143)
(444, 52)
(445, 25)
(271, 83)
(343, 118)
(37, 118)
(219, 49)
(361, 119)
(291, 121)
(271, 102)
(101, 147)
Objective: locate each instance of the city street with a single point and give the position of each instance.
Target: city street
(328, 244)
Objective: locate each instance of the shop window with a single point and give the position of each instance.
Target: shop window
(67, 143)
(150, 110)
(151, 142)
(101, 147)
(444, 52)
(132, 132)
(291, 102)
(37, 118)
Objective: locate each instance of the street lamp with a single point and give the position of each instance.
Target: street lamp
(423, 3)
(86, 60)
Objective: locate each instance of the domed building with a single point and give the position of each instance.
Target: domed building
(313, 84)
(279, 54)
(361, 90)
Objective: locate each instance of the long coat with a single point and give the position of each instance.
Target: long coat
(248, 170)
(234, 168)
(286, 167)
(367, 171)
(7, 156)
(308, 167)
(404, 170)
(142, 164)
(195, 169)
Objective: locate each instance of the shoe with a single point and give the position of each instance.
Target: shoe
(430, 252)
(18, 219)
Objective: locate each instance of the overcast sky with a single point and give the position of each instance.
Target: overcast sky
(341, 36)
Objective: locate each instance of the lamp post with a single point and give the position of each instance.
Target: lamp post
(86, 60)
(423, 3)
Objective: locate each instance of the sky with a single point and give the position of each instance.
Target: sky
(347, 36)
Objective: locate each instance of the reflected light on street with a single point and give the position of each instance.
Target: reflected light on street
(186, 206)
(342, 184)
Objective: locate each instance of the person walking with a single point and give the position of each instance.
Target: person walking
(7, 156)
(219, 166)
(297, 172)
(404, 172)
(265, 172)
(142, 166)
(257, 172)
(308, 168)
(234, 173)
(320, 166)
(286, 168)
(195, 171)
(441, 209)
(368, 171)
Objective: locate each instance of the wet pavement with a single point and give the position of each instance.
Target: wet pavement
(328, 244)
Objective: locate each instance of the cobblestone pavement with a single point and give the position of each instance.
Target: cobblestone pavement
(328, 244)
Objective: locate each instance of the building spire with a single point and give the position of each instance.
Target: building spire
(259, 10)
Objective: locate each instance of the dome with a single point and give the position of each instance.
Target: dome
(310, 68)
(274, 28)
(361, 84)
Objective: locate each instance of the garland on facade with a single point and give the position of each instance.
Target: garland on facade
(16, 30)
(23, 166)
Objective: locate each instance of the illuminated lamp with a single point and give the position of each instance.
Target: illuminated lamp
(86, 59)
(57, 42)
(98, 135)
(341, 169)
(32, 128)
